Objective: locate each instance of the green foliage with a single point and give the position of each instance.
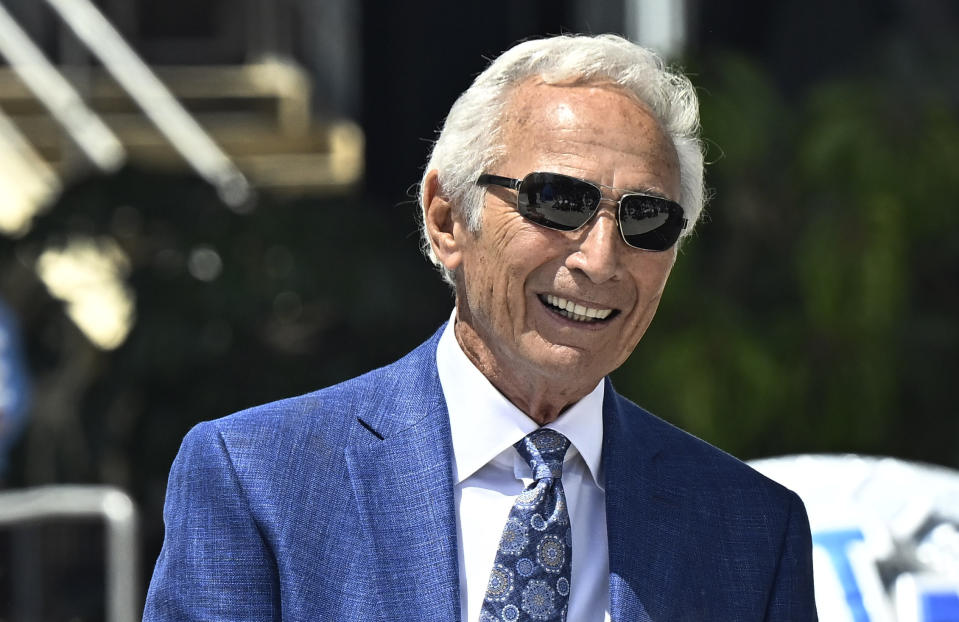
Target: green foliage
(816, 308)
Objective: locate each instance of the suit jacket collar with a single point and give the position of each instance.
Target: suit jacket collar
(402, 475)
(402, 478)
(643, 514)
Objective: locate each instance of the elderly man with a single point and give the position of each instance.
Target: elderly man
(494, 473)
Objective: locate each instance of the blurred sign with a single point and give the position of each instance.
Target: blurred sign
(885, 536)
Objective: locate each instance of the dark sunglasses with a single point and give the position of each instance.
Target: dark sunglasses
(566, 203)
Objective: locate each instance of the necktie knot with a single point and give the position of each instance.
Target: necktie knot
(544, 451)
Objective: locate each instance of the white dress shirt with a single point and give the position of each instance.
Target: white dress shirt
(490, 473)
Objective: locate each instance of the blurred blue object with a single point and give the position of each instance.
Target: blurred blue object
(14, 384)
(885, 535)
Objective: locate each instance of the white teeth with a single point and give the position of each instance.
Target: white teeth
(573, 311)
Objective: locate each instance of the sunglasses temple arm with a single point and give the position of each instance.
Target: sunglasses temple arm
(497, 180)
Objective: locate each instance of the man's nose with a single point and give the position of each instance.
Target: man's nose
(598, 247)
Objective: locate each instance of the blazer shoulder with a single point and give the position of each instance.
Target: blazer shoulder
(702, 464)
(385, 398)
(738, 539)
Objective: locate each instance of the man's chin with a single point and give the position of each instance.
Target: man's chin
(566, 364)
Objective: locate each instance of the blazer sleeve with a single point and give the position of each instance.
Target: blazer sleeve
(214, 564)
(793, 598)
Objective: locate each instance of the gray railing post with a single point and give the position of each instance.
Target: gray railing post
(117, 510)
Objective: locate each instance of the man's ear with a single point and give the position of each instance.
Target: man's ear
(441, 225)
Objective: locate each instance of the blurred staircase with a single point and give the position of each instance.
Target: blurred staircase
(259, 114)
(238, 126)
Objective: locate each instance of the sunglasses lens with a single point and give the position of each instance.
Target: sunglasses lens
(557, 201)
(566, 203)
(650, 223)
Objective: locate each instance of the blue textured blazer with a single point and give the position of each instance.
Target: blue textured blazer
(338, 505)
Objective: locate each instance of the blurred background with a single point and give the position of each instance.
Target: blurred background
(206, 204)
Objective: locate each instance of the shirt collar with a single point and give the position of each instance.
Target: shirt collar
(484, 423)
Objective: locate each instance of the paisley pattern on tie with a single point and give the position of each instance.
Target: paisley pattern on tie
(530, 576)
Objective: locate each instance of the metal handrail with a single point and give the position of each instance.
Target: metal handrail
(154, 98)
(117, 510)
(88, 131)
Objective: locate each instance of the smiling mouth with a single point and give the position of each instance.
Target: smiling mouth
(572, 311)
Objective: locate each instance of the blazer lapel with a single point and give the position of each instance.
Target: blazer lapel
(643, 518)
(403, 485)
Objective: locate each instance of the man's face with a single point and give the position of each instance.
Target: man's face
(513, 272)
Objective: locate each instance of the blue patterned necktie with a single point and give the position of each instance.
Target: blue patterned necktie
(530, 576)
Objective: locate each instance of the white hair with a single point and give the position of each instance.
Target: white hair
(470, 142)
